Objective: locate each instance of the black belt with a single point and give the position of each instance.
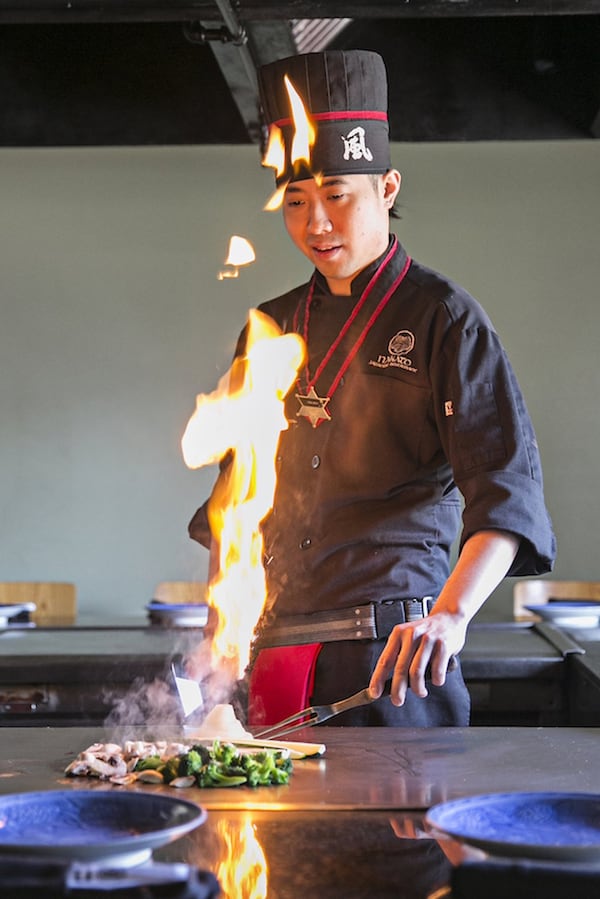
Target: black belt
(373, 621)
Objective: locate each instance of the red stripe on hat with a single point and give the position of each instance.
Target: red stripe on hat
(371, 115)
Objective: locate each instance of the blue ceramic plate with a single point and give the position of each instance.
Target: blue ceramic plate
(94, 824)
(178, 614)
(8, 612)
(559, 826)
(568, 614)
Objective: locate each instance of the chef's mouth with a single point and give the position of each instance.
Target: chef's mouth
(324, 252)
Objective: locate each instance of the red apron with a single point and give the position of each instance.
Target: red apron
(281, 682)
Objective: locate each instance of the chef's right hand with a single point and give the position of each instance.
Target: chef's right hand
(416, 652)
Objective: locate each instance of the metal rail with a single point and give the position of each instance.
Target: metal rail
(245, 11)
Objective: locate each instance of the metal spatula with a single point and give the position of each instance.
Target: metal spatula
(189, 690)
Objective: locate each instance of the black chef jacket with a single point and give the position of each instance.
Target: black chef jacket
(427, 423)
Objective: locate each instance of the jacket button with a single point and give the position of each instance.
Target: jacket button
(306, 543)
(315, 461)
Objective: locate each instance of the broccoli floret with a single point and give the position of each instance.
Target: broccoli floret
(213, 775)
(153, 762)
(253, 777)
(191, 763)
(279, 776)
(172, 768)
(224, 752)
(203, 752)
(284, 763)
(229, 780)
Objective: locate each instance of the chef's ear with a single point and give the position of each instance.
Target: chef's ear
(391, 186)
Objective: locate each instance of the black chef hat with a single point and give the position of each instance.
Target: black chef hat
(345, 94)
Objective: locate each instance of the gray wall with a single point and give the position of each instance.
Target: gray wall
(113, 319)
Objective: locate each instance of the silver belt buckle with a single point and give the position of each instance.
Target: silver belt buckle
(414, 609)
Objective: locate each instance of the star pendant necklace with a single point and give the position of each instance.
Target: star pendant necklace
(312, 406)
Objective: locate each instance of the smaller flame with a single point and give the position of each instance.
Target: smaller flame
(305, 132)
(274, 157)
(243, 874)
(241, 252)
(276, 199)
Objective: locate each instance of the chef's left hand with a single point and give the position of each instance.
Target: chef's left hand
(416, 652)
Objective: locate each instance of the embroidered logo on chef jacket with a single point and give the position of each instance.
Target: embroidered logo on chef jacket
(355, 146)
(397, 356)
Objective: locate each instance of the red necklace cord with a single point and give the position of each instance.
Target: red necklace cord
(310, 382)
(361, 338)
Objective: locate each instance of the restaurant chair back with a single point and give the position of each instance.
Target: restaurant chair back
(180, 592)
(538, 591)
(55, 602)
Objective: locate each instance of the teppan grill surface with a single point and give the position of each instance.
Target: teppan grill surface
(350, 823)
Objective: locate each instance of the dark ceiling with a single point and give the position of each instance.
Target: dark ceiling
(129, 72)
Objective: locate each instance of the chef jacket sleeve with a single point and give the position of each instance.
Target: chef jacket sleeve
(198, 528)
(491, 445)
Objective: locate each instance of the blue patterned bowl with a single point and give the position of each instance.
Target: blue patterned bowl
(559, 826)
(94, 824)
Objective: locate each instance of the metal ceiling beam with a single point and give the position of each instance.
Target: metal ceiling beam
(240, 55)
(230, 48)
(31, 11)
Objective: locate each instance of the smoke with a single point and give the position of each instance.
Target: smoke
(151, 705)
(155, 706)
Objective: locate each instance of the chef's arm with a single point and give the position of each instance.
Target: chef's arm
(429, 643)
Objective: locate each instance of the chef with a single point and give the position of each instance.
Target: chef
(406, 420)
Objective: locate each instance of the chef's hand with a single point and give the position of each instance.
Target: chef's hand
(431, 642)
(416, 652)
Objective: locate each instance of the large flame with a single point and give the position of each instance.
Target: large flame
(243, 875)
(242, 419)
(305, 134)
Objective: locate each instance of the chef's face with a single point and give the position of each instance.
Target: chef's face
(341, 224)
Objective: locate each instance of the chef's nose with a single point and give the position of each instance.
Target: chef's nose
(319, 221)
